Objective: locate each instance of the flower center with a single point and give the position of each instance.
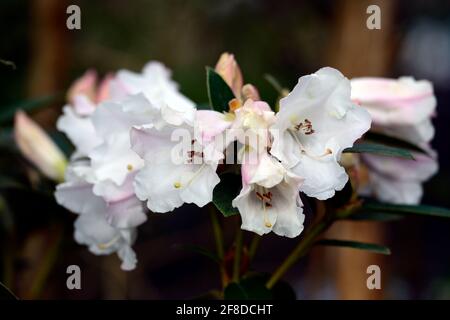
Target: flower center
(305, 127)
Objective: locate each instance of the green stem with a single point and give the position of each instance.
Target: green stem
(217, 231)
(237, 256)
(299, 251)
(218, 237)
(253, 246)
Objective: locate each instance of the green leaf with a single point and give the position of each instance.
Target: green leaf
(392, 141)
(404, 209)
(374, 216)
(234, 291)
(198, 249)
(274, 83)
(7, 112)
(6, 294)
(379, 149)
(224, 193)
(219, 93)
(375, 248)
(253, 287)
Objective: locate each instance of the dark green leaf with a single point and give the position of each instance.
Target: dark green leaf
(253, 287)
(379, 149)
(374, 216)
(204, 106)
(219, 93)
(224, 193)
(7, 112)
(422, 210)
(6, 294)
(375, 248)
(381, 138)
(200, 250)
(234, 291)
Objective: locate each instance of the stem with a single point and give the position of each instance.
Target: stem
(237, 256)
(218, 237)
(217, 231)
(253, 246)
(299, 251)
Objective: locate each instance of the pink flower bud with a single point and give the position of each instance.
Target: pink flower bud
(229, 70)
(38, 148)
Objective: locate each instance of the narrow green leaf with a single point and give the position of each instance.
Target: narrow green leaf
(381, 138)
(375, 248)
(274, 83)
(374, 216)
(421, 210)
(379, 149)
(219, 93)
(198, 249)
(224, 193)
(7, 112)
(6, 294)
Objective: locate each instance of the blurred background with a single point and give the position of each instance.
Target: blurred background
(285, 38)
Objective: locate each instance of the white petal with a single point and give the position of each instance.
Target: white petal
(79, 130)
(200, 185)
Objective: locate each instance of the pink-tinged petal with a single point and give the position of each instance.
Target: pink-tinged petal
(126, 213)
(83, 105)
(402, 101)
(86, 85)
(210, 124)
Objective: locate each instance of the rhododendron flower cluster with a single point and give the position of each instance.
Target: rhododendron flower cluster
(143, 148)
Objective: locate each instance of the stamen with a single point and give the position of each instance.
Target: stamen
(265, 198)
(130, 167)
(305, 127)
(234, 104)
(177, 185)
(103, 246)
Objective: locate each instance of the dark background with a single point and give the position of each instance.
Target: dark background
(284, 38)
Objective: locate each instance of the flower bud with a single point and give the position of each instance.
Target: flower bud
(229, 70)
(249, 91)
(84, 86)
(38, 148)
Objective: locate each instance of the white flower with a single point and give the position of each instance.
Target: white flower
(269, 199)
(316, 122)
(104, 226)
(175, 172)
(38, 148)
(398, 180)
(403, 109)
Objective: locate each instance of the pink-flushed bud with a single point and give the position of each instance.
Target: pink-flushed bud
(86, 86)
(229, 70)
(38, 148)
(104, 88)
(249, 91)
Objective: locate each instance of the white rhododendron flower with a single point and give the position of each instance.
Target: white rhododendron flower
(175, 172)
(316, 122)
(402, 109)
(269, 199)
(101, 225)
